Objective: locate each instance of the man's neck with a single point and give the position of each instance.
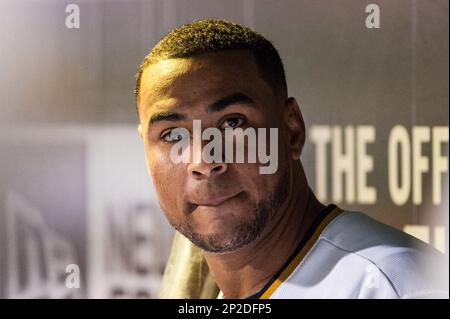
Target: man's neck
(244, 272)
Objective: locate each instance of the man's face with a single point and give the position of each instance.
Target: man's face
(219, 206)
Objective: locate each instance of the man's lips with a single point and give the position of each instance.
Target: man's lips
(215, 201)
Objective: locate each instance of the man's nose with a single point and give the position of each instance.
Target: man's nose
(205, 170)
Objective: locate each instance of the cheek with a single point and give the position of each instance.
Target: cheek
(167, 178)
(249, 177)
(261, 185)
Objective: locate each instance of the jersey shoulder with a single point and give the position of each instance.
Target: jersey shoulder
(411, 267)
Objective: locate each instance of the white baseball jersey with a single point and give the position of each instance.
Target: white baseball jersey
(350, 255)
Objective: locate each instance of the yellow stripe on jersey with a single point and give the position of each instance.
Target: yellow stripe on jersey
(297, 259)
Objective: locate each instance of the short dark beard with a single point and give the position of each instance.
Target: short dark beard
(244, 233)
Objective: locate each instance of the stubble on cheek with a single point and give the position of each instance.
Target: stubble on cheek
(167, 180)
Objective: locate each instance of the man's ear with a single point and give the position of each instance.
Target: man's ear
(139, 128)
(293, 120)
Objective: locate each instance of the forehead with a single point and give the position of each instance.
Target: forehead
(194, 80)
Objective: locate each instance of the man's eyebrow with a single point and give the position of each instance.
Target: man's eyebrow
(165, 116)
(226, 101)
(217, 106)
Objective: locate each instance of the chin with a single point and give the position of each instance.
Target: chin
(215, 220)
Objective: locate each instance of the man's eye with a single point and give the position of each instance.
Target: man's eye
(233, 122)
(173, 135)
